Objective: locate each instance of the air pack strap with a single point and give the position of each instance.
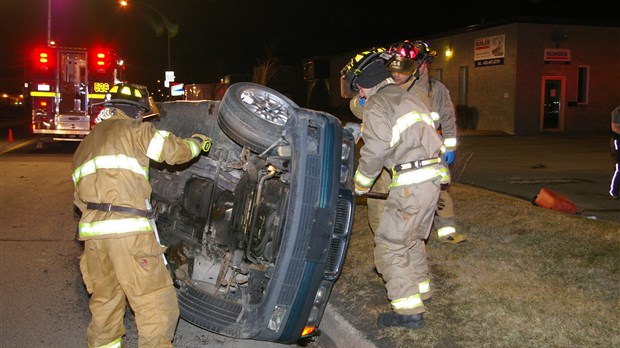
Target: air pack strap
(415, 164)
(120, 209)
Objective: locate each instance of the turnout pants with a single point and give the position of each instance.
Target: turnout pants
(400, 255)
(445, 211)
(375, 206)
(131, 267)
(444, 217)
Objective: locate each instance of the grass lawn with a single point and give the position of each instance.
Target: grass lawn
(527, 277)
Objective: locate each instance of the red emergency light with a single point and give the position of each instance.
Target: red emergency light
(102, 60)
(43, 59)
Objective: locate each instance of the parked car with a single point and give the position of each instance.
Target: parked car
(257, 230)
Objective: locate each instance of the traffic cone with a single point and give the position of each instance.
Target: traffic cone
(10, 135)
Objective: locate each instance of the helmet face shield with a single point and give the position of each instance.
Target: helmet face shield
(153, 109)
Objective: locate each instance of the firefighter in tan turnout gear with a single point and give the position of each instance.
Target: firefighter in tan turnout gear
(410, 71)
(398, 134)
(122, 256)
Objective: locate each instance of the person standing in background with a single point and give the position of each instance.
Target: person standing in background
(410, 72)
(614, 190)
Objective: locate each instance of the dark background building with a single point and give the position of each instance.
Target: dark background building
(521, 76)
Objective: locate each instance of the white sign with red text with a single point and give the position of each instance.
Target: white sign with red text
(557, 56)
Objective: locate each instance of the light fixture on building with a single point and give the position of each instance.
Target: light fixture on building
(449, 52)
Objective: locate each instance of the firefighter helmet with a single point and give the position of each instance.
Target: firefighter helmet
(424, 51)
(351, 71)
(128, 94)
(403, 65)
(416, 50)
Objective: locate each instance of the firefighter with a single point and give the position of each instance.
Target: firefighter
(410, 71)
(399, 134)
(614, 189)
(122, 256)
(356, 105)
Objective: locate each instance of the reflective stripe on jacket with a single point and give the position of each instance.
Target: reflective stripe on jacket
(436, 97)
(397, 129)
(421, 175)
(111, 165)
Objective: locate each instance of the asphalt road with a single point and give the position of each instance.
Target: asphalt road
(43, 302)
(579, 168)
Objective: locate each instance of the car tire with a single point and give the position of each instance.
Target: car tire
(254, 116)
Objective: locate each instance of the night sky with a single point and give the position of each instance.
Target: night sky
(217, 38)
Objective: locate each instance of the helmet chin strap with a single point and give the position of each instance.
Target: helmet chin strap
(416, 73)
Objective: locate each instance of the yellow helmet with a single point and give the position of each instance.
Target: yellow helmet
(128, 94)
(359, 62)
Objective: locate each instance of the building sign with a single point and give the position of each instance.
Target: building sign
(557, 56)
(177, 89)
(489, 50)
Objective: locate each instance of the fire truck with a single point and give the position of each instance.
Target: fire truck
(65, 85)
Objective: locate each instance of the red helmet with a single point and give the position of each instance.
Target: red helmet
(416, 50)
(404, 49)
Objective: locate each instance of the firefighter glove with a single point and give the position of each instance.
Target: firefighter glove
(448, 157)
(355, 129)
(205, 141)
(360, 190)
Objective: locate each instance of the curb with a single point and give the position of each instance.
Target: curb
(341, 332)
(6, 146)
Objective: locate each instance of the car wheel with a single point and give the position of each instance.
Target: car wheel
(253, 115)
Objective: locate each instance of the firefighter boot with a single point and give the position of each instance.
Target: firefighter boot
(451, 238)
(412, 321)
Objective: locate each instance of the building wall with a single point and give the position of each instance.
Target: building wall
(507, 97)
(596, 47)
(491, 92)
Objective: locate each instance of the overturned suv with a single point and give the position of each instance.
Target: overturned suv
(257, 229)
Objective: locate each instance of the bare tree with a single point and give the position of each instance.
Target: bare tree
(267, 67)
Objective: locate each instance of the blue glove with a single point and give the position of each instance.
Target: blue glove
(448, 157)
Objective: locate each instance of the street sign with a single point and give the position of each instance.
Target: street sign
(169, 78)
